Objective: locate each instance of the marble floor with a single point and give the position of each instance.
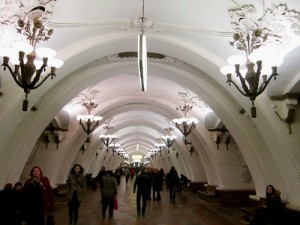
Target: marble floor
(188, 210)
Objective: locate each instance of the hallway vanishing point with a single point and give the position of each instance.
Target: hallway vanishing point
(188, 210)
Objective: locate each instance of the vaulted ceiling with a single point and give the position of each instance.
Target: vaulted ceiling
(188, 42)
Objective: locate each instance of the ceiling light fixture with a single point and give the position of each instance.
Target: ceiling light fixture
(27, 72)
(107, 139)
(185, 124)
(253, 68)
(142, 55)
(168, 139)
(89, 122)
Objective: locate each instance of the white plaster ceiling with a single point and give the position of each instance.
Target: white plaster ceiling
(193, 35)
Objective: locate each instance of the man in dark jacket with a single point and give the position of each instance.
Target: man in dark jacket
(109, 192)
(143, 184)
(172, 181)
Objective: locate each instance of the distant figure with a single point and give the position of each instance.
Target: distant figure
(142, 185)
(183, 182)
(76, 185)
(126, 173)
(118, 174)
(172, 183)
(100, 176)
(109, 192)
(132, 172)
(7, 212)
(158, 184)
(38, 197)
(272, 211)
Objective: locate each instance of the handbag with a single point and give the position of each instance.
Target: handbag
(50, 219)
(116, 206)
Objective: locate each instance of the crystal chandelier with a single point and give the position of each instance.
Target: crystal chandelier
(89, 122)
(107, 139)
(28, 69)
(185, 124)
(256, 68)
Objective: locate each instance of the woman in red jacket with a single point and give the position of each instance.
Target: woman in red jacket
(38, 198)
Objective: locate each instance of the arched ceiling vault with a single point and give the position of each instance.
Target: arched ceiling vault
(194, 44)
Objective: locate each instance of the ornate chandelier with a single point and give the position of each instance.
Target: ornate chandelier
(114, 147)
(256, 68)
(159, 146)
(28, 69)
(185, 124)
(107, 139)
(168, 139)
(89, 122)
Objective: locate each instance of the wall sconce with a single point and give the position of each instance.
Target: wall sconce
(84, 147)
(46, 140)
(216, 136)
(28, 69)
(59, 136)
(285, 108)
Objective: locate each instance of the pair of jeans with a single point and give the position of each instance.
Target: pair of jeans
(144, 196)
(74, 208)
(173, 190)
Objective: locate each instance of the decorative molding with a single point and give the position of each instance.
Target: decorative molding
(12, 10)
(245, 173)
(281, 141)
(278, 21)
(285, 108)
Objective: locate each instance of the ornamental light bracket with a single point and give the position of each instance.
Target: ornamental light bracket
(107, 139)
(89, 122)
(185, 125)
(258, 66)
(28, 69)
(285, 107)
(168, 139)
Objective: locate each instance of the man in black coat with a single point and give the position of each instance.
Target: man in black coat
(172, 181)
(142, 184)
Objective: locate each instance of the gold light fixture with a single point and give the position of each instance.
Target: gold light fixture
(254, 68)
(142, 55)
(89, 122)
(28, 69)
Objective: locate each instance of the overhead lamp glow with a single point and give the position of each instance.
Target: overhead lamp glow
(142, 61)
(136, 156)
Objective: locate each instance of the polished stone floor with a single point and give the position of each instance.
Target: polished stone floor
(188, 210)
